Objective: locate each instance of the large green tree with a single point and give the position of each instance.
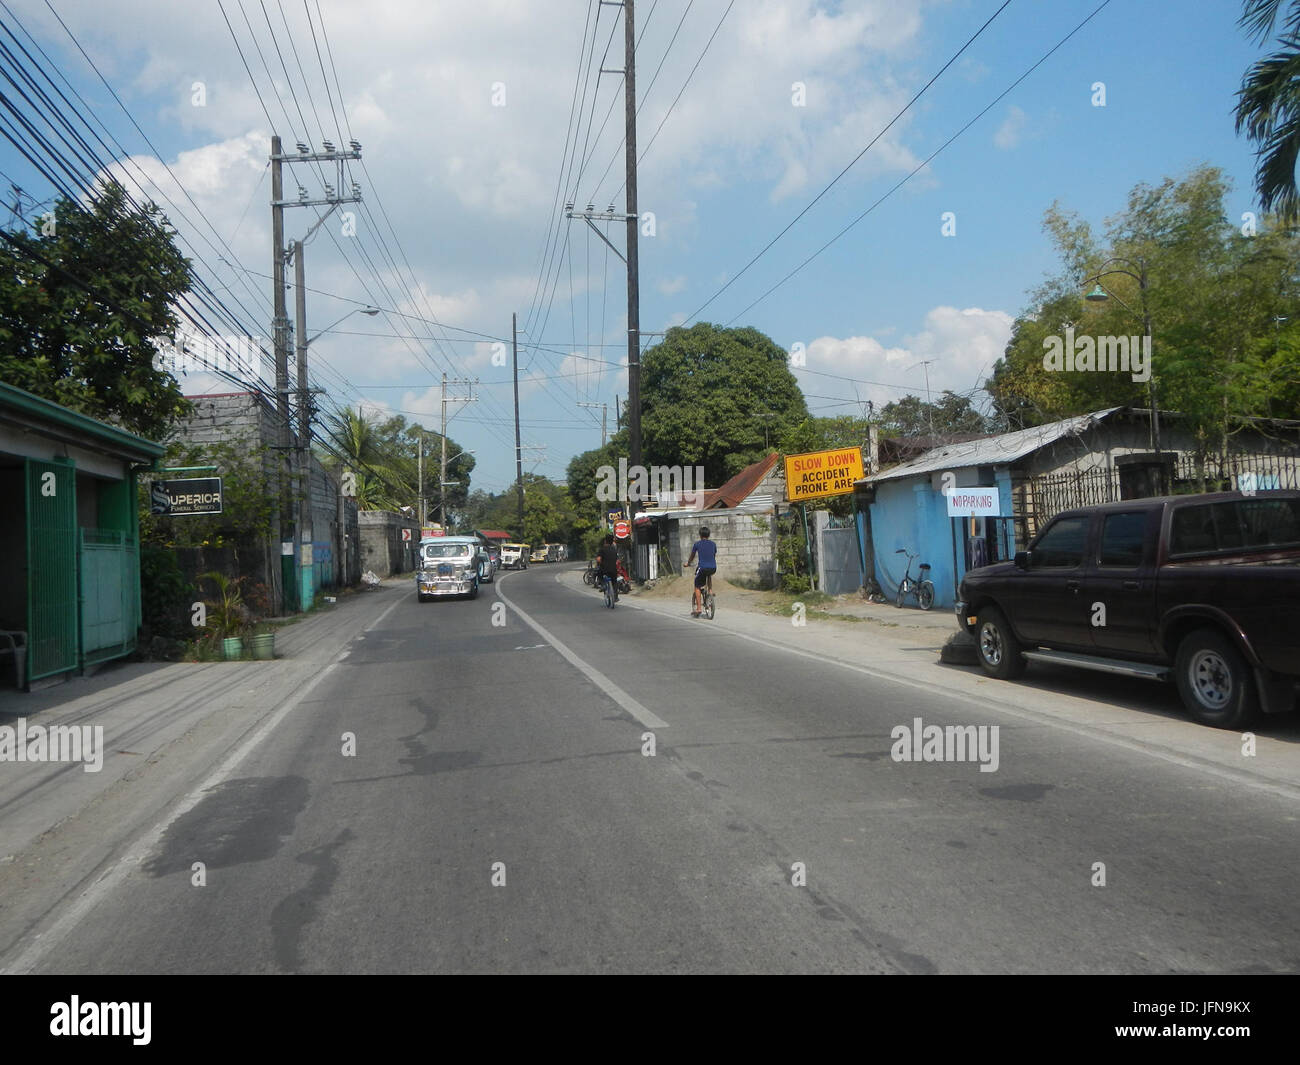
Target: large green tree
(1222, 303)
(83, 294)
(708, 392)
(1268, 104)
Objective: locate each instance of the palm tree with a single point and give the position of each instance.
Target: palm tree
(379, 486)
(1268, 105)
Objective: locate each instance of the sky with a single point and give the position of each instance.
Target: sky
(478, 122)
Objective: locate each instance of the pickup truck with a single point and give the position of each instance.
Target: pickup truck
(1203, 588)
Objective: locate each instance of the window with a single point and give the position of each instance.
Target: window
(1237, 525)
(1061, 545)
(1123, 537)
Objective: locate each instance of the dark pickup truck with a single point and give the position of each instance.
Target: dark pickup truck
(1203, 587)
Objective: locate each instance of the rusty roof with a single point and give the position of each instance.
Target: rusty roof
(737, 490)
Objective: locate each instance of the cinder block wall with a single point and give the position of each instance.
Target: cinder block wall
(746, 543)
(382, 548)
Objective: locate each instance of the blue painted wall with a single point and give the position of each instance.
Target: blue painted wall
(909, 513)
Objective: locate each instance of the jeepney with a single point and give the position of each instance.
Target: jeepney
(514, 556)
(450, 565)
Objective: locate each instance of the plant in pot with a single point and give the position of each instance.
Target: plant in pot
(228, 619)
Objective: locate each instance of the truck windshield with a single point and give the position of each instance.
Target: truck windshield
(446, 551)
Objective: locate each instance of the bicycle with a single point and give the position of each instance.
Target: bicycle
(589, 574)
(611, 595)
(706, 599)
(923, 589)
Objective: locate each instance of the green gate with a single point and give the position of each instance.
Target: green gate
(51, 568)
(109, 604)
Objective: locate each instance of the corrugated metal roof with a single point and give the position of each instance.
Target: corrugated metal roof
(992, 450)
(736, 490)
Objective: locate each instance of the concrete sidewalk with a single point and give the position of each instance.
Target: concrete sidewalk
(148, 711)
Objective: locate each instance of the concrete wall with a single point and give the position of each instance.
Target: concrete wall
(746, 543)
(382, 548)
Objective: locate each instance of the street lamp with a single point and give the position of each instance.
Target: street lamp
(1100, 294)
(372, 311)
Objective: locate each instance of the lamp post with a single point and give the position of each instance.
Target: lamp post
(372, 311)
(1100, 294)
(442, 485)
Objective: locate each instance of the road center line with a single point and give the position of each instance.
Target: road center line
(642, 714)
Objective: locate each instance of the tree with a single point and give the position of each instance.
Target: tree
(1217, 300)
(1268, 105)
(913, 416)
(83, 296)
(384, 454)
(703, 390)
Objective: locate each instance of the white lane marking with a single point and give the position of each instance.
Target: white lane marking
(46, 941)
(642, 714)
(1286, 791)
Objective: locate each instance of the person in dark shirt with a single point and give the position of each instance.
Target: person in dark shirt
(607, 562)
(707, 551)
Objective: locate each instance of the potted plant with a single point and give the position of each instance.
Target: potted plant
(227, 615)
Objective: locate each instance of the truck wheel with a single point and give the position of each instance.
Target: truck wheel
(997, 646)
(1216, 684)
(473, 592)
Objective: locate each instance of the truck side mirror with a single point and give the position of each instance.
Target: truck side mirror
(1022, 560)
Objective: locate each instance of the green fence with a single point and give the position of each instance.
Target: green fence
(51, 493)
(110, 605)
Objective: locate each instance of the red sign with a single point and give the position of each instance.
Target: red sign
(622, 530)
(406, 536)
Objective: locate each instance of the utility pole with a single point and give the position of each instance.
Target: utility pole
(633, 221)
(419, 478)
(604, 410)
(291, 533)
(519, 451)
(280, 340)
(303, 487)
(442, 477)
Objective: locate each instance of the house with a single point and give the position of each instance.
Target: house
(1031, 475)
(331, 548)
(69, 538)
(740, 516)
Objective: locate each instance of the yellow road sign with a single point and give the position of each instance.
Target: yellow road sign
(818, 474)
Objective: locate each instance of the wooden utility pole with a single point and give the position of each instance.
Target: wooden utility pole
(280, 339)
(633, 222)
(519, 451)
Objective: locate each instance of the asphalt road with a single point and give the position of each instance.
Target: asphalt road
(501, 813)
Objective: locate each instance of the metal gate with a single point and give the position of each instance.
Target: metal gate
(51, 492)
(109, 576)
(841, 560)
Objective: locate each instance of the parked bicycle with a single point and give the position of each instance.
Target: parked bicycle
(923, 588)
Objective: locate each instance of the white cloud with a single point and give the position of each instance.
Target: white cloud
(1013, 126)
(670, 286)
(959, 345)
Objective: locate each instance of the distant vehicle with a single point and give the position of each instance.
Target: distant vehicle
(451, 565)
(1200, 589)
(514, 556)
(494, 556)
(539, 554)
(555, 552)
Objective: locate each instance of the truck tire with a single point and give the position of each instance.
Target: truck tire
(996, 645)
(1214, 681)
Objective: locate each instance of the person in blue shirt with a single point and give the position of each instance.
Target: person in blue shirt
(707, 551)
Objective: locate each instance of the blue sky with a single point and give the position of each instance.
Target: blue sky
(462, 112)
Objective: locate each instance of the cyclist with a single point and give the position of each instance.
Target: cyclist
(607, 563)
(708, 553)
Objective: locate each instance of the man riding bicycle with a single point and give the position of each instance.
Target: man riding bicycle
(708, 553)
(607, 563)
